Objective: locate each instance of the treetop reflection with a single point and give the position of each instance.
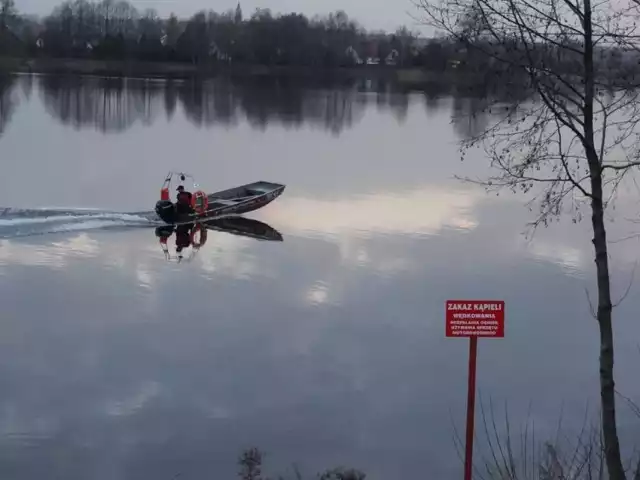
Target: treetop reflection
(114, 105)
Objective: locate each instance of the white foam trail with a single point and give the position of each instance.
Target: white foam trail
(27, 222)
(57, 218)
(89, 225)
(62, 209)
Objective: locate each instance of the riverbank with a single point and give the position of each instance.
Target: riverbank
(404, 76)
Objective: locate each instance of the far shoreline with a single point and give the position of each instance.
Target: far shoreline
(404, 76)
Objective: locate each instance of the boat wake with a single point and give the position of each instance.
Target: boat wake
(28, 222)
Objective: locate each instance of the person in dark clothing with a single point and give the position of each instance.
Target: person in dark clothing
(183, 204)
(183, 237)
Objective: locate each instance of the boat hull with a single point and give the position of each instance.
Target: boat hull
(235, 201)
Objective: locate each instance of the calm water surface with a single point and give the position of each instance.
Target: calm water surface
(324, 349)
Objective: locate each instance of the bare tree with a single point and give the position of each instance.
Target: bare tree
(7, 11)
(575, 141)
(519, 454)
(251, 464)
(106, 10)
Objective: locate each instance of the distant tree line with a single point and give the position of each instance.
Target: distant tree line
(111, 29)
(472, 45)
(116, 30)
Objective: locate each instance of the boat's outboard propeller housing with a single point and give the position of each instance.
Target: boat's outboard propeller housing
(166, 211)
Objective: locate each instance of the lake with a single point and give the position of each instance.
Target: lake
(324, 349)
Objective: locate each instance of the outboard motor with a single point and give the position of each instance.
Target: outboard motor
(166, 211)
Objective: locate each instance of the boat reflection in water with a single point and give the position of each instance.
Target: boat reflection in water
(195, 235)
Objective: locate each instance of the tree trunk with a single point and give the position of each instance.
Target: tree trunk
(607, 384)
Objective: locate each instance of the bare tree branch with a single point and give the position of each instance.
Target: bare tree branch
(574, 143)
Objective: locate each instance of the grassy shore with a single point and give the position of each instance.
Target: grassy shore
(405, 76)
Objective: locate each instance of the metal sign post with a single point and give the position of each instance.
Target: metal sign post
(473, 319)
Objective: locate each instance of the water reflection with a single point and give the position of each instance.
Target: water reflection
(195, 235)
(170, 98)
(331, 362)
(474, 108)
(107, 104)
(293, 105)
(26, 81)
(114, 105)
(245, 227)
(326, 350)
(8, 100)
(387, 213)
(55, 256)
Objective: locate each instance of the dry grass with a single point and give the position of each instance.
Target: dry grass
(508, 455)
(251, 464)
(505, 454)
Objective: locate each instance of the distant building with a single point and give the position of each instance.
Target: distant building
(392, 58)
(351, 52)
(215, 52)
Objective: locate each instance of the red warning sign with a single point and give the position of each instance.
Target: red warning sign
(475, 318)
